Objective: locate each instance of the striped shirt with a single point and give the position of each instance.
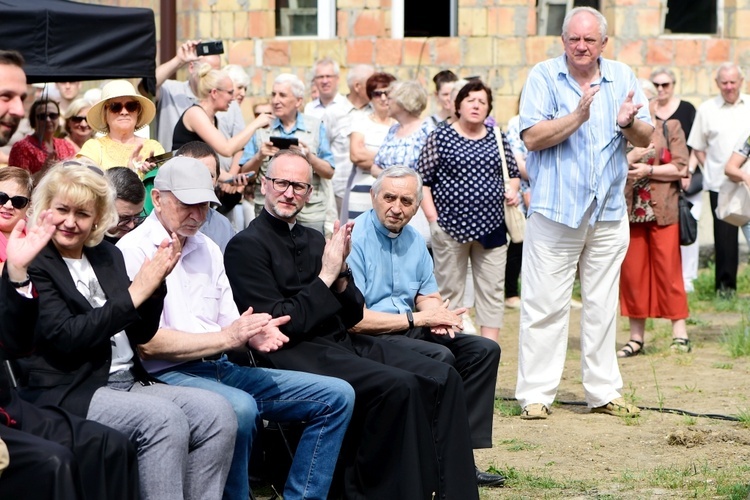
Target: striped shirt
(590, 166)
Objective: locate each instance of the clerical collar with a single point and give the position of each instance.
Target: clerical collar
(381, 228)
(290, 225)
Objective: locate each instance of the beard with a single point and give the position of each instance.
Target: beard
(5, 134)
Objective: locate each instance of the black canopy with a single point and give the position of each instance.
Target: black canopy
(64, 41)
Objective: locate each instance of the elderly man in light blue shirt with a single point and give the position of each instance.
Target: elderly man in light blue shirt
(578, 111)
(394, 271)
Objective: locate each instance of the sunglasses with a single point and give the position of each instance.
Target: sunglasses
(123, 222)
(665, 85)
(379, 93)
(51, 116)
(78, 119)
(18, 202)
(130, 106)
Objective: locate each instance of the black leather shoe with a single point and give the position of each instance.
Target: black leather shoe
(489, 479)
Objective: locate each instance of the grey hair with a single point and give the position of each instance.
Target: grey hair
(577, 10)
(325, 62)
(359, 73)
(457, 88)
(648, 88)
(397, 172)
(287, 152)
(726, 66)
(298, 88)
(238, 75)
(662, 70)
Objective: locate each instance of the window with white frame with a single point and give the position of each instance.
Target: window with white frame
(306, 18)
(409, 19)
(550, 14)
(696, 16)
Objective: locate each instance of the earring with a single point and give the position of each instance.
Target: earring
(96, 226)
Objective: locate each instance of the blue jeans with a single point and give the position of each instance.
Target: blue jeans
(324, 403)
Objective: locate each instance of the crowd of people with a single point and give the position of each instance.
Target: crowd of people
(162, 298)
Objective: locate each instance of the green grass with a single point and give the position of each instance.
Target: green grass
(507, 408)
(694, 481)
(723, 366)
(516, 445)
(744, 417)
(736, 338)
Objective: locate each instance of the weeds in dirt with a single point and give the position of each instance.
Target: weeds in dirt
(516, 445)
(507, 408)
(695, 480)
(659, 394)
(736, 338)
(689, 420)
(723, 366)
(743, 417)
(526, 480)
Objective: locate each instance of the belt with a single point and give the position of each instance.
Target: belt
(215, 357)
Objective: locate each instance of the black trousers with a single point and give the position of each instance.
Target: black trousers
(409, 435)
(475, 359)
(726, 250)
(56, 455)
(513, 269)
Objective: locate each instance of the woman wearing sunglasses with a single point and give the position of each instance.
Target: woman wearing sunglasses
(41, 148)
(120, 112)
(15, 191)
(77, 128)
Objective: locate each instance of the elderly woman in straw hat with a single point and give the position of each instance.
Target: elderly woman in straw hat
(120, 112)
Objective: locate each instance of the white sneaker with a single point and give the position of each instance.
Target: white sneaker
(469, 326)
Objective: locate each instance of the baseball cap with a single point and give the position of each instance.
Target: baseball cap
(188, 179)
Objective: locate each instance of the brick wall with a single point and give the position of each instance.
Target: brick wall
(496, 40)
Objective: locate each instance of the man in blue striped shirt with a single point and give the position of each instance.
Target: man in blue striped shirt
(578, 111)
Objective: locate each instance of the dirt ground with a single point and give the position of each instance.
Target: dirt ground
(576, 454)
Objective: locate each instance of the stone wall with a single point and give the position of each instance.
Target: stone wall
(496, 40)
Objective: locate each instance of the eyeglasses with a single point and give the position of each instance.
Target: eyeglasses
(51, 116)
(326, 77)
(665, 85)
(379, 93)
(123, 222)
(18, 202)
(130, 106)
(79, 119)
(230, 92)
(281, 185)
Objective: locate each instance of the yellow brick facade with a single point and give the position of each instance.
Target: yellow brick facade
(497, 40)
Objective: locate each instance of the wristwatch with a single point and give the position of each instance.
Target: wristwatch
(410, 318)
(345, 274)
(20, 284)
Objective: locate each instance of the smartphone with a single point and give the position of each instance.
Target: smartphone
(160, 158)
(284, 142)
(210, 48)
(248, 176)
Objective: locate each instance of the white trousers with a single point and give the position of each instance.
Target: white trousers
(551, 254)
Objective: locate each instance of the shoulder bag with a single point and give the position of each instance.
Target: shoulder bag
(688, 224)
(515, 220)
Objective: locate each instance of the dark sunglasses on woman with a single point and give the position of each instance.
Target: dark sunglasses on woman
(18, 202)
(80, 119)
(51, 116)
(130, 106)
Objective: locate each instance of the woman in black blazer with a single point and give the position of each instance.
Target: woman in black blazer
(91, 320)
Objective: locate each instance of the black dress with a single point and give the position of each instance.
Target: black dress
(182, 135)
(409, 435)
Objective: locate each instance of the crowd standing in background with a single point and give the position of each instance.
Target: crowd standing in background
(309, 267)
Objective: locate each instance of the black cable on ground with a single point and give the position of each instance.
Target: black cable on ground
(676, 411)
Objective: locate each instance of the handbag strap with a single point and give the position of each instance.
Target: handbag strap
(501, 151)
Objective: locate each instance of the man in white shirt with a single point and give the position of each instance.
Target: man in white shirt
(338, 121)
(326, 81)
(718, 125)
(200, 321)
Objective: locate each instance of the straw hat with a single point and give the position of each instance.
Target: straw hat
(120, 88)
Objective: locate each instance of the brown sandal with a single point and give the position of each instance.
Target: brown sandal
(628, 351)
